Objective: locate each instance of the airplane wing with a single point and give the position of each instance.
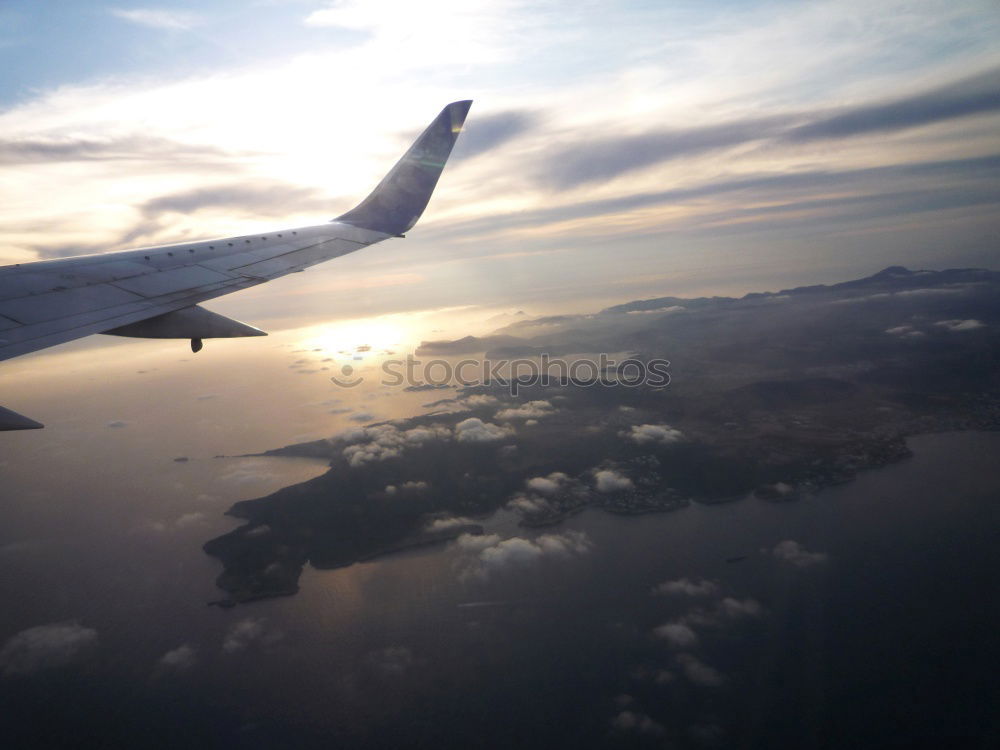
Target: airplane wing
(155, 292)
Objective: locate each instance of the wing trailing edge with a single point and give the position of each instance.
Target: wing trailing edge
(193, 322)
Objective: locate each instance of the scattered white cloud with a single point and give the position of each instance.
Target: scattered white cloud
(609, 481)
(157, 18)
(530, 410)
(189, 519)
(249, 632)
(117, 424)
(406, 487)
(494, 554)
(522, 503)
(46, 647)
(667, 309)
(686, 587)
(479, 399)
(432, 32)
(180, 659)
(677, 634)
(362, 416)
(549, 485)
(477, 542)
(960, 325)
(741, 608)
(385, 441)
(653, 433)
(663, 676)
(792, 552)
(247, 471)
(634, 721)
(475, 430)
(451, 522)
(698, 672)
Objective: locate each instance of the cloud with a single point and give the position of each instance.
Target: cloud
(385, 441)
(494, 555)
(189, 519)
(677, 634)
(475, 430)
(486, 132)
(133, 148)
(406, 487)
(795, 554)
(529, 504)
(431, 33)
(602, 159)
(959, 325)
(249, 632)
(479, 399)
(698, 672)
(477, 542)
(666, 309)
(609, 480)
(513, 551)
(632, 721)
(262, 199)
(362, 417)
(248, 470)
(46, 647)
(451, 522)
(686, 587)
(970, 96)
(741, 608)
(654, 433)
(175, 661)
(117, 424)
(530, 410)
(549, 485)
(880, 190)
(157, 18)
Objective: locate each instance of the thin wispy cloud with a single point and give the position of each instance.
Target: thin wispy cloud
(646, 130)
(157, 18)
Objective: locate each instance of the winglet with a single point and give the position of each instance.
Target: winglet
(402, 195)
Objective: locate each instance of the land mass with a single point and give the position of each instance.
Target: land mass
(773, 394)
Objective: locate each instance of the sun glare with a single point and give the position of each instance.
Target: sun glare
(359, 337)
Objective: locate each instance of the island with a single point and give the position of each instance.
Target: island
(774, 395)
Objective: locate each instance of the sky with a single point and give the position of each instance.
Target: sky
(614, 151)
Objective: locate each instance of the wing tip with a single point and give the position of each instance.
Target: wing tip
(11, 420)
(401, 197)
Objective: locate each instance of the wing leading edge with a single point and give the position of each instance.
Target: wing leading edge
(153, 292)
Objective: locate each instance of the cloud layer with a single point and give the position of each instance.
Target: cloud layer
(45, 647)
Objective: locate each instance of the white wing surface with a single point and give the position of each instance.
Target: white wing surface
(154, 292)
